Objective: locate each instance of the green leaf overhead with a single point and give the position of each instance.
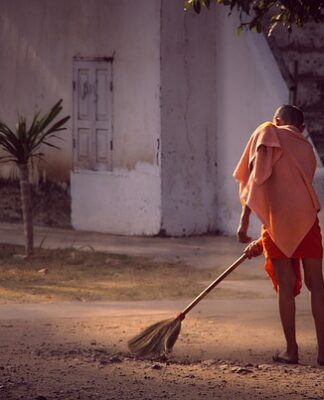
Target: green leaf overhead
(255, 14)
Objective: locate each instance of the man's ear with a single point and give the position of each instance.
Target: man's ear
(278, 121)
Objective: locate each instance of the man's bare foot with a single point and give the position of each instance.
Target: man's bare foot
(285, 358)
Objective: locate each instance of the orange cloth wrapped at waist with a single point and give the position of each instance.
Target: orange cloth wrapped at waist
(310, 247)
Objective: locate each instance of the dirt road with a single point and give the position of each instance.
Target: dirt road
(78, 351)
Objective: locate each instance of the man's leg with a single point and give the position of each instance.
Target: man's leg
(314, 282)
(286, 281)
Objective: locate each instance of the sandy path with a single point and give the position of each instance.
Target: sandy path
(78, 351)
(71, 351)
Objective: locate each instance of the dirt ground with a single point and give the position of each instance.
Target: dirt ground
(88, 275)
(87, 358)
(55, 348)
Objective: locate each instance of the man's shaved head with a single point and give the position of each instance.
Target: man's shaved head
(290, 115)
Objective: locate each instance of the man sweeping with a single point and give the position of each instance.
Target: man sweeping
(275, 174)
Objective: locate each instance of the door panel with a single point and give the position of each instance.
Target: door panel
(92, 114)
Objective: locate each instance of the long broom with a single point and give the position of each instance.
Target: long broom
(159, 338)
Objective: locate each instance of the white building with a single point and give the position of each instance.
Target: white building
(162, 102)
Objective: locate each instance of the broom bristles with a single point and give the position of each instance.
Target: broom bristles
(157, 339)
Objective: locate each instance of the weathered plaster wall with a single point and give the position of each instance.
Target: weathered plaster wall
(188, 120)
(210, 106)
(125, 202)
(249, 88)
(38, 40)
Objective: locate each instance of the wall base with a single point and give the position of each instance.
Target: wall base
(122, 202)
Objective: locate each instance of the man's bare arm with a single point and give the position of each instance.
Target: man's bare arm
(242, 229)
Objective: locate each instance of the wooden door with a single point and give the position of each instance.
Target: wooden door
(92, 114)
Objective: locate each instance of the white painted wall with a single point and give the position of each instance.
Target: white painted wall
(38, 40)
(216, 88)
(128, 199)
(125, 202)
(188, 120)
(249, 89)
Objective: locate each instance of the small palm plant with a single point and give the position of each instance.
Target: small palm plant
(21, 147)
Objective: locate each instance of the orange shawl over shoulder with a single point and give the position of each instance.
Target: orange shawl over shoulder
(275, 174)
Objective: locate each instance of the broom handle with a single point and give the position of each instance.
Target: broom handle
(212, 285)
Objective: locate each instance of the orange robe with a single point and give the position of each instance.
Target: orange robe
(310, 247)
(275, 173)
